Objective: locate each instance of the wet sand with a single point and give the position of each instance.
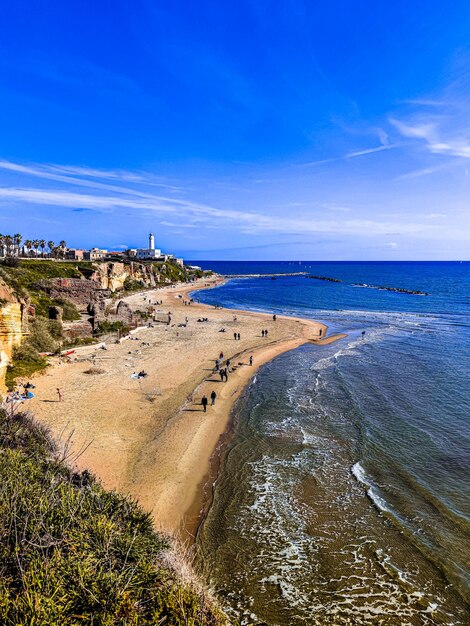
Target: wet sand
(150, 437)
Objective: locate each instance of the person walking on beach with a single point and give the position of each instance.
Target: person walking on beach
(251, 360)
(274, 318)
(262, 333)
(265, 333)
(204, 403)
(221, 373)
(238, 336)
(227, 363)
(320, 332)
(217, 365)
(59, 395)
(221, 355)
(235, 336)
(213, 397)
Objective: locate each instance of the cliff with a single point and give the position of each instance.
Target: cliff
(13, 326)
(75, 293)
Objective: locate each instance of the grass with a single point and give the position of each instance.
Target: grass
(74, 553)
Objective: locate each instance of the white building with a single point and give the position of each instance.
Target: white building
(151, 252)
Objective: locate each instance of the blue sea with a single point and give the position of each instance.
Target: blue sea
(344, 497)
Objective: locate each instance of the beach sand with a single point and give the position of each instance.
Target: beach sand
(150, 438)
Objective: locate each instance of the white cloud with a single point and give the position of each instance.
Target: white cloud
(455, 143)
(255, 222)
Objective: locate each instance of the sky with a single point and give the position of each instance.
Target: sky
(255, 129)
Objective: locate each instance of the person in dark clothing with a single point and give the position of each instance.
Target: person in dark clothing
(204, 403)
(265, 333)
(262, 333)
(238, 336)
(221, 372)
(274, 318)
(235, 336)
(227, 363)
(251, 360)
(221, 355)
(213, 397)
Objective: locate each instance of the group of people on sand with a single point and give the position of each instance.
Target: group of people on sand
(223, 372)
(264, 333)
(236, 336)
(21, 396)
(204, 400)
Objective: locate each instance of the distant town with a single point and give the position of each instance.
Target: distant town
(15, 246)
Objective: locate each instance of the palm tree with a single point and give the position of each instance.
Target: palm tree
(51, 246)
(8, 242)
(36, 246)
(42, 245)
(28, 244)
(63, 245)
(2, 244)
(17, 239)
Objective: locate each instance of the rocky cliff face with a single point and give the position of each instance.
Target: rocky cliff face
(112, 276)
(102, 282)
(13, 326)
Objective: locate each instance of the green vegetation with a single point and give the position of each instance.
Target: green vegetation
(131, 285)
(72, 553)
(26, 280)
(170, 270)
(105, 327)
(45, 336)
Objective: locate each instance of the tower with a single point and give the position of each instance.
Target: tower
(151, 242)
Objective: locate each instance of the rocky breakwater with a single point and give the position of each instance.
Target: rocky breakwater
(13, 326)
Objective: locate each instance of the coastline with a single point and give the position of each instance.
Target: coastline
(151, 438)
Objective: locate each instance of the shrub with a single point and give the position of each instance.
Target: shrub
(45, 334)
(11, 261)
(105, 327)
(72, 552)
(70, 313)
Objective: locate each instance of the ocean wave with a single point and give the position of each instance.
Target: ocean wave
(372, 493)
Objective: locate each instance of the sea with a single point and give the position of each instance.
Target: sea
(344, 495)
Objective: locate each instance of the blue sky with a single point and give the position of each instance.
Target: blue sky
(244, 130)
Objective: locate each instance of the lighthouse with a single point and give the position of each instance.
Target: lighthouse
(151, 242)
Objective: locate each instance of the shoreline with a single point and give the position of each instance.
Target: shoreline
(151, 438)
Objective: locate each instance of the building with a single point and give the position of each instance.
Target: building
(150, 253)
(73, 254)
(95, 254)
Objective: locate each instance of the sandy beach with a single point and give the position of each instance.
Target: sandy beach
(150, 437)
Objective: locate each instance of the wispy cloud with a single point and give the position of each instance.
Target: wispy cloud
(355, 154)
(248, 222)
(454, 142)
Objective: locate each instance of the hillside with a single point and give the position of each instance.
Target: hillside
(47, 304)
(73, 553)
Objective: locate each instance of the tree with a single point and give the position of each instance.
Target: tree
(8, 242)
(42, 245)
(36, 246)
(51, 246)
(17, 239)
(28, 244)
(63, 245)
